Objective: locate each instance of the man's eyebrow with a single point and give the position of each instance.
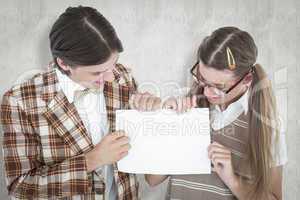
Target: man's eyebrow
(96, 72)
(105, 69)
(100, 71)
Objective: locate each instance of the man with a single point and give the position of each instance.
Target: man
(59, 137)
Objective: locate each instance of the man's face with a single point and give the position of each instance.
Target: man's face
(94, 76)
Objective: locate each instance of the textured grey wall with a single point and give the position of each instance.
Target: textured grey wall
(160, 39)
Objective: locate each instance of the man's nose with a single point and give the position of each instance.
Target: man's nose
(108, 76)
(100, 77)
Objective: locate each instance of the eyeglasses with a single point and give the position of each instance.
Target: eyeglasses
(203, 83)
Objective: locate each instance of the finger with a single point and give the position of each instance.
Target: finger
(194, 101)
(147, 93)
(217, 144)
(214, 154)
(117, 134)
(150, 103)
(188, 103)
(157, 104)
(143, 102)
(220, 155)
(218, 150)
(217, 167)
(125, 148)
(136, 100)
(179, 104)
(132, 99)
(184, 104)
(170, 103)
(214, 150)
(217, 161)
(122, 141)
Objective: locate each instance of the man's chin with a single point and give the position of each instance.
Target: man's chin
(97, 86)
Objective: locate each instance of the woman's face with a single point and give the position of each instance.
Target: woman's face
(94, 76)
(218, 82)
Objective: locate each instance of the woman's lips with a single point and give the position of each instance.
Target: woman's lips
(213, 98)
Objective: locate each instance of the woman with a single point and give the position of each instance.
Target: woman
(247, 151)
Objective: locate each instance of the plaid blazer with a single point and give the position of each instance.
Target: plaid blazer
(44, 141)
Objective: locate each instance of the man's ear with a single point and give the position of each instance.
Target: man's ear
(248, 79)
(62, 65)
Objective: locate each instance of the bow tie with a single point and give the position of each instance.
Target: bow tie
(78, 94)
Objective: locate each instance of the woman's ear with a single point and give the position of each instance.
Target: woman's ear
(62, 65)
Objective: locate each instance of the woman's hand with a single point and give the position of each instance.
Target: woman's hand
(221, 159)
(180, 104)
(145, 102)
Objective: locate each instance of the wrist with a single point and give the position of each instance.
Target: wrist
(238, 188)
(235, 184)
(91, 162)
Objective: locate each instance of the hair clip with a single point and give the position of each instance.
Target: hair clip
(230, 59)
(252, 70)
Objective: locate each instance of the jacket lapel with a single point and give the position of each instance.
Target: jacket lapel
(116, 95)
(65, 120)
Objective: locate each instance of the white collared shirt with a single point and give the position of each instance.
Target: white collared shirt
(92, 111)
(220, 119)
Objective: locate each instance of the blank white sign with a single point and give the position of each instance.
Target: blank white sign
(164, 142)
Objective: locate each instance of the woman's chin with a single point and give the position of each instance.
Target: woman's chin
(215, 101)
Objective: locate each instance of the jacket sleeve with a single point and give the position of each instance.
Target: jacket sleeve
(26, 175)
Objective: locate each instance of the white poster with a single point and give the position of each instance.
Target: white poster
(165, 142)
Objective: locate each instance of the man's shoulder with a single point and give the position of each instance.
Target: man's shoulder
(123, 69)
(33, 87)
(124, 75)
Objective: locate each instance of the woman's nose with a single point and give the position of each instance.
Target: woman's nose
(210, 92)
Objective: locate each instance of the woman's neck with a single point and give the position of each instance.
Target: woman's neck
(234, 99)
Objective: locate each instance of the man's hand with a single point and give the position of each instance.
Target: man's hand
(111, 149)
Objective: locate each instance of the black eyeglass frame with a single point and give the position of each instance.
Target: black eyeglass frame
(205, 84)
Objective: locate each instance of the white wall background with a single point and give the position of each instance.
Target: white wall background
(160, 38)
